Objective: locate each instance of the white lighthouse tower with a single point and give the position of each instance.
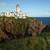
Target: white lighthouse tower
(17, 8)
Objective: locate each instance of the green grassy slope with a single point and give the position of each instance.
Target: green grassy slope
(41, 42)
(30, 43)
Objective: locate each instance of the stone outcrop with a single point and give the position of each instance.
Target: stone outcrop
(46, 28)
(14, 28)
(34, 28)
(3, 36)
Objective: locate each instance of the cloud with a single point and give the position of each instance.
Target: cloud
(12, 4)
(38, 14)
(28, 13)
(42, 14)
(2, 5)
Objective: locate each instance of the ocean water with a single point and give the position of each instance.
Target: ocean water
(45, 20)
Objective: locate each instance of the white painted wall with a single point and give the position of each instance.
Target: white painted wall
(17, 8)
(17, 14)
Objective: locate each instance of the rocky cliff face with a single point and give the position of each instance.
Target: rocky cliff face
(46, 28)
(19, 28)
(34, 28)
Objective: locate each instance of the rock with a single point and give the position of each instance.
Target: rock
(46, 28)
(9, 28)
(34, 28)
(3, 36)
(19, 28)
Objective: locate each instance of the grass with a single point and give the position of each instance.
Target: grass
(41, 42)
(30, 43)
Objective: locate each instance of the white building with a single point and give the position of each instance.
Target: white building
(17, 14)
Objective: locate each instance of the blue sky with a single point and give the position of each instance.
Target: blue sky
(35, 8)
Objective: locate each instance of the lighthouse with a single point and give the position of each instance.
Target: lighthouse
(17, 8)
(17, 14)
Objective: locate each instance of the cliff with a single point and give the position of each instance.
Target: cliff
(46, 28)
(11, 28)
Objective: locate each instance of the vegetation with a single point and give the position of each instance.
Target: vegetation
(31, 43)
(40, 42)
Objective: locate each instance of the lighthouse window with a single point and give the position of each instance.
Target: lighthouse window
(14, 14)
(22, 14)
(19, 14)
(9, 13)
(6, 13)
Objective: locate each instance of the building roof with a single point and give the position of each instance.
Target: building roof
(18, 5)
(3, 12)
(13, 12)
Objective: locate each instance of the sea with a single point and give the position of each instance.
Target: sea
(45, 20)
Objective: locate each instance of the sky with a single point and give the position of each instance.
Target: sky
(34, 8)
